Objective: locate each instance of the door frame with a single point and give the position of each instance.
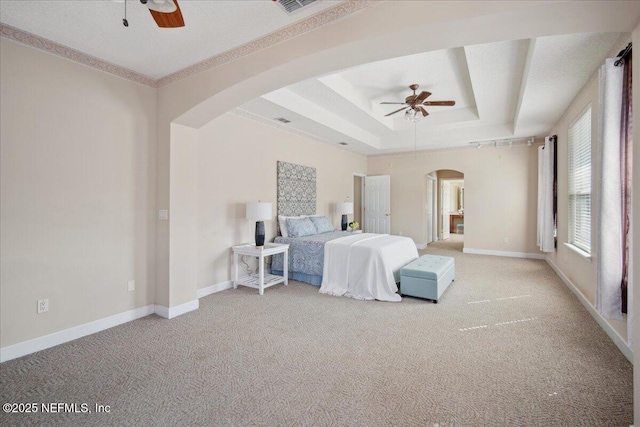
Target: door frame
(362, 197)
(434, 209)
(440, 229)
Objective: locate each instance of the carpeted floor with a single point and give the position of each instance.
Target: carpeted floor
(508, 345)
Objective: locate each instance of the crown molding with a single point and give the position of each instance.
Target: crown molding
(76, 56)
(327, 16)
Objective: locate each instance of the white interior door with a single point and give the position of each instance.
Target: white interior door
(377, 204)
(429, 208)
(446, 207)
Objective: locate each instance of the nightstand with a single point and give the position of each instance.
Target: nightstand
(355, 231)
(261, 280)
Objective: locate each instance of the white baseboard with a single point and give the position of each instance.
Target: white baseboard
(219, 287)
(171, 312)
(612, 333)
(502, 253)
(421, 246)
(66, 335)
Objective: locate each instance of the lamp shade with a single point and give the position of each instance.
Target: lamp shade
(259, 210)
(344, 208)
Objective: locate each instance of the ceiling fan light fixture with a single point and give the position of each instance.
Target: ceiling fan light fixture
(411, 115)
(413, 105)
(162, 6)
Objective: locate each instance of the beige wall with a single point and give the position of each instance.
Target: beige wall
(500, 194)
(237, 164)
(183, 209)
(77, 191)
(580, 271)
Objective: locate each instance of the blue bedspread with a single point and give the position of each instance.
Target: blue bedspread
(306, 255)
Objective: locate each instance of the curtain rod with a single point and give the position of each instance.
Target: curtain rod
(622, 55)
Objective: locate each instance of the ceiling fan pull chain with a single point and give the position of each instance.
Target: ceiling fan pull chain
(124, 20)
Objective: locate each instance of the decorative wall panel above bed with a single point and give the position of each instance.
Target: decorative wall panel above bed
(296, 189)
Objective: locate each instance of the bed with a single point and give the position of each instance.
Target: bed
(306, 256)
(363, 266)
(358, 265)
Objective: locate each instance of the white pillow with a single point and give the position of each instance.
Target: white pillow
(282, 220)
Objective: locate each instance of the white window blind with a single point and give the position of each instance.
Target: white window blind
(580, 182)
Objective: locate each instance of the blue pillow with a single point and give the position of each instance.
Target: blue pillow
(322, 223)
(300, 227)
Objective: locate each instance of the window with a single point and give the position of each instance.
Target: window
(580, 182)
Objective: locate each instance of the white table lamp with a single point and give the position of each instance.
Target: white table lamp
(259, 211)
(344, 208)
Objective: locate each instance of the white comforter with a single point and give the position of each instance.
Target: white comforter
(366, 266)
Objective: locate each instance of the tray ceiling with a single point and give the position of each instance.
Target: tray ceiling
(515, 89)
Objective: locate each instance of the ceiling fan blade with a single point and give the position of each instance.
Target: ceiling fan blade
(168, 20)
(423, 95)
(440, 103)
(397, 111)
(423, 111)
(399, 103)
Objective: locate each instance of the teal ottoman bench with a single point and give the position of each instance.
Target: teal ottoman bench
(427, 277)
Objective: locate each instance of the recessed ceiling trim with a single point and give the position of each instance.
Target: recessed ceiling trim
(73, 55)
(523, 83)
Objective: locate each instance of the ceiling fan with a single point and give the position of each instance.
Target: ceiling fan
(415, 102)
(166, 13)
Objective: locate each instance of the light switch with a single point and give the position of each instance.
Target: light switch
(163, 214)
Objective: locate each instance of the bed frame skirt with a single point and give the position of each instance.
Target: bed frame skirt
(300, 277)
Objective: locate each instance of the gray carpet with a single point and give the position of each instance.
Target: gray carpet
(508, 345)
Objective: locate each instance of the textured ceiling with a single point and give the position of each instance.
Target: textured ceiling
(514, 89)
(95, 27)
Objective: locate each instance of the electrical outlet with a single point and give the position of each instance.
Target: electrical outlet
(131, 285)
(43, 305)
(506, 240)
